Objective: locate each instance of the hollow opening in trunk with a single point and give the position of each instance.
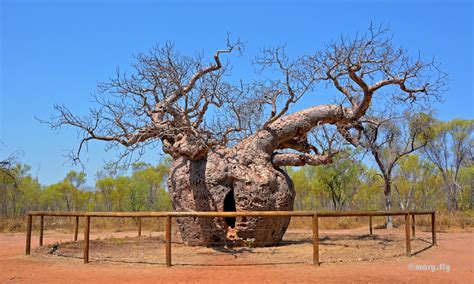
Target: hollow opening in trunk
(229, 206)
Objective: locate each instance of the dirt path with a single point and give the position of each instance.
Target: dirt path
(454, 253)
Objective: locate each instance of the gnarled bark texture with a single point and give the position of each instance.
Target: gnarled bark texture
(227, 176)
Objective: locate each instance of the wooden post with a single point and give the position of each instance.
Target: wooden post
(139, 226)
(433, 228)
(86, 238)
(28, 235)
(76, 229)
(315, 240)
(413, 225)
(407, 234)
(41, 230)
(370, 225)
(168, 241)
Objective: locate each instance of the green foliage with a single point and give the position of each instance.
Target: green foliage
(143, 190)
(340, 180)
(416, 184)
(330, 186)
(422, 127)
(466, 182)
(18, 191)
(307, 195)
(451, 151)
(426, 181)
(369, 195)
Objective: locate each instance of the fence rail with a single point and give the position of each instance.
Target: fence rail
(409, 224)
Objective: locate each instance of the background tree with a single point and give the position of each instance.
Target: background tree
(306, 194)
(229, 141)
(19, 191)
(340, 180)
(77, 180)
(370, 195)
(106, 187)
(450, 151)
(388, 140)
(417, 184)
(6, 168)
(8, 181)
(154, 180)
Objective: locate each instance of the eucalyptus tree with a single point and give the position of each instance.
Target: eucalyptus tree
(390, 139)
(452, 149)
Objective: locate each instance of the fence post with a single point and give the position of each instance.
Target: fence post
(412, 225)
(370, 225)
(76, 229)
(168, 241)
(41, 230)
(315, 240)
(433, 228)
(407, 234)
(28, 234)
(86, 238)
(139, 226)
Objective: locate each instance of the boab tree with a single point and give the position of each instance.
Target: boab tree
(230, 141)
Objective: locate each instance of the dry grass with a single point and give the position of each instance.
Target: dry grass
(445, 220)
(67, 224)
(296, 247)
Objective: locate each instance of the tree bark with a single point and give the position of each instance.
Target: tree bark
(388, 200)
(246, 178)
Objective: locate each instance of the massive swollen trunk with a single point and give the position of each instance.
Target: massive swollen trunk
(245, 177)
(231, 180)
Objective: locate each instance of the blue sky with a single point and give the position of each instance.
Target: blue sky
(55, 52)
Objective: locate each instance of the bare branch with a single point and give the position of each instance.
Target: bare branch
(290, 159)
(187, 104)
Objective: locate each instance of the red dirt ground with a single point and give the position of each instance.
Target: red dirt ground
(454, 249)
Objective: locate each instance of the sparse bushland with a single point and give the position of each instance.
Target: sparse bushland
(347, 184)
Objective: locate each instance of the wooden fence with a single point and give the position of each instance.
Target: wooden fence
(264, 214)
